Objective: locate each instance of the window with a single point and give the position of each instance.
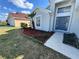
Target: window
(37, 21)
(62, 22)
(64, 9)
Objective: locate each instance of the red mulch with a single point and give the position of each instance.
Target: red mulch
(40, 35)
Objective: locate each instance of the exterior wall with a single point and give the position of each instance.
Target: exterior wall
(18, 23)
(75, 19)
(11, 22)
(44, 21)
(73, 26)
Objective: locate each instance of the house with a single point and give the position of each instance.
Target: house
(60, 16)
(15, 19)
(41, 19)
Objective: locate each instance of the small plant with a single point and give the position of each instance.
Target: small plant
(71, 39)
(23, 25)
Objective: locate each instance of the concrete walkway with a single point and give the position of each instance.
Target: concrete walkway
(55, 42)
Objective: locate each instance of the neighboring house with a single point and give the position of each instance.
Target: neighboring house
(15, 19)
(64, 17)
(41, 19)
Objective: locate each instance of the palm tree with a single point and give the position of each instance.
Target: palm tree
(31, 16)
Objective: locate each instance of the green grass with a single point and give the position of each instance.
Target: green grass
(7, 27)
(15, 45)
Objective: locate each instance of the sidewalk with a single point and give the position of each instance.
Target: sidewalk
(56, 42)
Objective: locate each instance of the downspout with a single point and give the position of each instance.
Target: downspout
(52, 14)
(49, 17)
(49, 22)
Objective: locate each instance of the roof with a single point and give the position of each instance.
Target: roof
(45, 10)
(19, 16)
(42, 10)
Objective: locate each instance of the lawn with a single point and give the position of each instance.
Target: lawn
(3, 29)
(15, 45)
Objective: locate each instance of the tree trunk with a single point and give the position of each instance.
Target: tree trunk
(33, 24)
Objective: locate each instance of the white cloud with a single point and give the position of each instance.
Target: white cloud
(14, 12)
(5, 7)
(26, 12)
(6, 14)
(22, 3)
(29, 5)
(3, 16)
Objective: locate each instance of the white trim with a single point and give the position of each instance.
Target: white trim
(64, 6)
(72, 10)
(40, 21)
(69, 13)
(43, 10)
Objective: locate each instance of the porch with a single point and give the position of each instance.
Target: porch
(56, 42)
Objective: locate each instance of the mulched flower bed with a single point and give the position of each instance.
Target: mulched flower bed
(40, 35)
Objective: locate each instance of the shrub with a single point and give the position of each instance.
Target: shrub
(23, 25)
(71, 39)
(3, 23)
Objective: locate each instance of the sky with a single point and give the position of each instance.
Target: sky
(22, 6)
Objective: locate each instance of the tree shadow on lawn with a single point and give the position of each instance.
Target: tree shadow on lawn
(15, 45)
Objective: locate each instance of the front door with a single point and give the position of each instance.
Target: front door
(62, 23)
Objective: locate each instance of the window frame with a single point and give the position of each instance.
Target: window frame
(63, 14)
(68, 17)
(64, 8)
(39, 21)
